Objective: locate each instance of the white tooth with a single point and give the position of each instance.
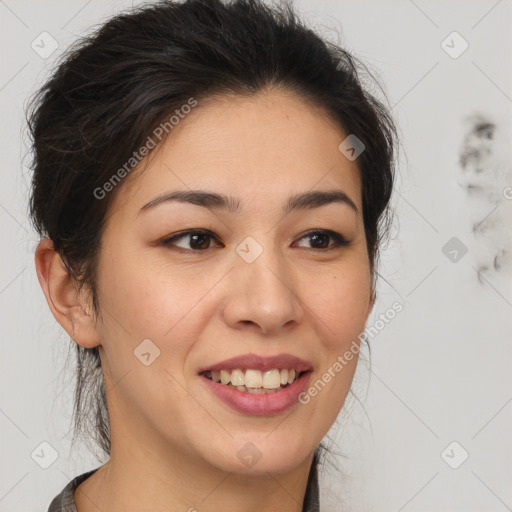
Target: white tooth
(237, 378)
(215, 376)
(271, 379)
(253, 379)
(284, 377)
(241, 388)
(291, 376)
(225, 376)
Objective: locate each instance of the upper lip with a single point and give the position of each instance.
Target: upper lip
(262, 363)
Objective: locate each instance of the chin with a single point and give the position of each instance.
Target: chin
(260, 454)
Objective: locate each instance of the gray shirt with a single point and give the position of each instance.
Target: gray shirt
(64, 501)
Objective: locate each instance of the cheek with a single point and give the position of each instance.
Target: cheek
(148, 300)
(342, 304)
(342, 309)
(141, 302)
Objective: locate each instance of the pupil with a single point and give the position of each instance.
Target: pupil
(201, 237)
(326, 237)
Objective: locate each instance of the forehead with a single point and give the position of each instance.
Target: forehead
(261, 146)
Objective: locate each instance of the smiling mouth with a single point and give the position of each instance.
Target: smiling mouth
(255, 381)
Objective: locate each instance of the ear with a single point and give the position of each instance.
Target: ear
(69, 306)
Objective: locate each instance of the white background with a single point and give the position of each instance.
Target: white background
(440, 371)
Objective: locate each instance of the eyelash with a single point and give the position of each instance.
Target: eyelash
(339, 240)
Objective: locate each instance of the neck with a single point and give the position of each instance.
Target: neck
(157, 477)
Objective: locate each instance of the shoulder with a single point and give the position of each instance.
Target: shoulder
(64, 501)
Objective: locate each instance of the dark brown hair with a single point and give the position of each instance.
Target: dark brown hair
(111, 89)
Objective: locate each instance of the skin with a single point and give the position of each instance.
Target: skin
(169, 434)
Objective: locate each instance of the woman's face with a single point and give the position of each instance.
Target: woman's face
(256, 286)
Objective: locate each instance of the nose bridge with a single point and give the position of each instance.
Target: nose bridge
(263, 288)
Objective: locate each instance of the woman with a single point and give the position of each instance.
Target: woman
(211, 185)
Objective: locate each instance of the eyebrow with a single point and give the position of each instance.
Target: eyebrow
(216, 201)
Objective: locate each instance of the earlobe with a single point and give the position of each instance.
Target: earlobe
(66, 302)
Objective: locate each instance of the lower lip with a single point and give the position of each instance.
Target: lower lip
(262, 404)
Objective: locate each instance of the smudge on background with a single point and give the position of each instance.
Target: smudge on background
(485, 174)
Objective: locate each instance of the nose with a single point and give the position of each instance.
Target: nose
(262, 296)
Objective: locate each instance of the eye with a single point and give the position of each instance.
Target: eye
(320, 239)
(199, 240)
